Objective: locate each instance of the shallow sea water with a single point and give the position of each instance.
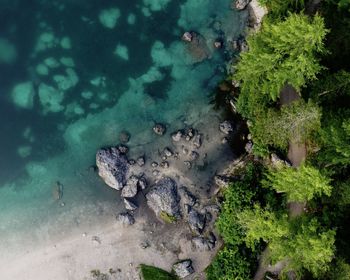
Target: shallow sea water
(73, 75)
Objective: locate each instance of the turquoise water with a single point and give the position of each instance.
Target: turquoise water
(73, 75)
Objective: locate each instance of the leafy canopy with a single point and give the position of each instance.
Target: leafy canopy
(335, 140)
(281, 53)
(301, 241)
(276, 128)
(300, 185)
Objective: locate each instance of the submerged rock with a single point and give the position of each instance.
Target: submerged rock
(183, 268)
(112, 167)
(198, 48)
(124, 137)
(197, 141)
(159, 128)
(187, 37)
(163, 198)
(176, 136)
(126, 218)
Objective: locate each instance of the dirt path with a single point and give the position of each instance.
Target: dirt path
(296, 155)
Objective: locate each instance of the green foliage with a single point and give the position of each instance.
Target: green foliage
(237, 196)
(339, 271)
(167, 218)
(301, 242)
(280, 8)
(261, 224)
(332, 90)
(282, 53)
(277, 128)
(338, 40)
(235, 261)
(335, 140)
(229, 264)
(152, 273)
(301, 184)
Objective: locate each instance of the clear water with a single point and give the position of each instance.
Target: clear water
(53, 135)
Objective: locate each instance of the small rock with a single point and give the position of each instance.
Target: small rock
(124, 137)
(196, 221)
(177, 136)
(194, 155)
(155, 172)
(96, 240)
(168, 152)
(164, 157)
(202, 244)
(130, 189)
(126, 218)
(187, 196)
(248, 147)
(188, 164)
(141, 161)
(218, 44)
(123, 149)
(212, 208)
(159, 129)
(144, 245)
(221, 181)
(197, 141)
(241, 4)
(154, 164)
(187, 37)
(142, 183)
(183, 268)
(226, 127)
(129, 205)
(164, 164)
(184, 150)
(190, 132)
(132, 161)
(224, 140)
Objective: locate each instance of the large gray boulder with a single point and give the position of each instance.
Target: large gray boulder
(183, 268)
(163, 198)
(112, 166)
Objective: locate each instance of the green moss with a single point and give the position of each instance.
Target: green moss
(152, 273)
(167, 217)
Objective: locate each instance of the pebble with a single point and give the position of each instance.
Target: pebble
(164, 164)
(168, 152)
(154, 164)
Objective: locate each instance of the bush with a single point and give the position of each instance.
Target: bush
(151, 273)
(229, 264)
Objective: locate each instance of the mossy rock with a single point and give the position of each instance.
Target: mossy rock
(167, 217)
(152, 273)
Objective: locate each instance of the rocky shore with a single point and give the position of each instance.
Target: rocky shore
(167, 190)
